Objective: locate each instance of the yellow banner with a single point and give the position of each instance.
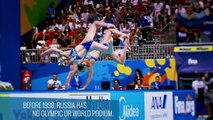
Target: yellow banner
(193, 49)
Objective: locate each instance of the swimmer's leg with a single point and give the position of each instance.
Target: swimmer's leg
(122, 58)
(92, 30)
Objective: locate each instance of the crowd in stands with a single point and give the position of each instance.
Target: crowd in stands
(131, 16)
(193, 21)
(138, 18)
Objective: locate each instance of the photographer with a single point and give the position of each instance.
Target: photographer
(54, 83)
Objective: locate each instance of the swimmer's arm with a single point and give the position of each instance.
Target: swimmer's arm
(73, 69)
(68, 79)
(90, 73)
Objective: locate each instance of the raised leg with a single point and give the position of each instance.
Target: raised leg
(122, 58)
(92, 30)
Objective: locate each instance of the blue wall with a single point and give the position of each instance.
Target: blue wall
(10, 42)
(107, 71)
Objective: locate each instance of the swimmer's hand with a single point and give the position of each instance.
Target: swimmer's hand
(66, 86)
(82, 88)
(63, 61)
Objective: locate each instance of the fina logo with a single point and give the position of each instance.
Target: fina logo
(185, 107)
(128, 110)
(192, 61)
(158, 102)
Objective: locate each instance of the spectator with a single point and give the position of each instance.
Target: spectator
(138, 76)
(54, 83)
(51, 13)
(74, 15)
(83, 23)
(149, 18)
(67, 28)
(134, 2)
(132, 37)
(124, 2)
(85, 14)
(144, 25)
(108, 18)
(126, 28)
(163, 17)
(89, 3)
(44, 59)
(138, 37)
(209, 94)
(129, 16)
(40, 43)
(139, 85)
(167, 7)
(66, 40)
(28, 83)
(54, 55)
(157, 84)
(199, 87)
(132, 24)
(180, 10)
(117, 85)
(76, 82)
(158, 6)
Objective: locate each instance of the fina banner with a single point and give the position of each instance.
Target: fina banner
(184, 105)
(190, 59)
(158, 106)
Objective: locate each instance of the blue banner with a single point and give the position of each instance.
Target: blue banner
(193, 59)
(131, 104)
(108, 71)
(184, 105)
(10, 42)
(113, 105)
(57, 109)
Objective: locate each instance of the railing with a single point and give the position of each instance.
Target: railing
(156, 51)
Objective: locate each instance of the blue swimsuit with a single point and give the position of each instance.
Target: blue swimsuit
(89, 57)
(87, 45)
(75, 55)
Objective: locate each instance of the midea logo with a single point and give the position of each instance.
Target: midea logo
(192, 61)
(128, 110)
